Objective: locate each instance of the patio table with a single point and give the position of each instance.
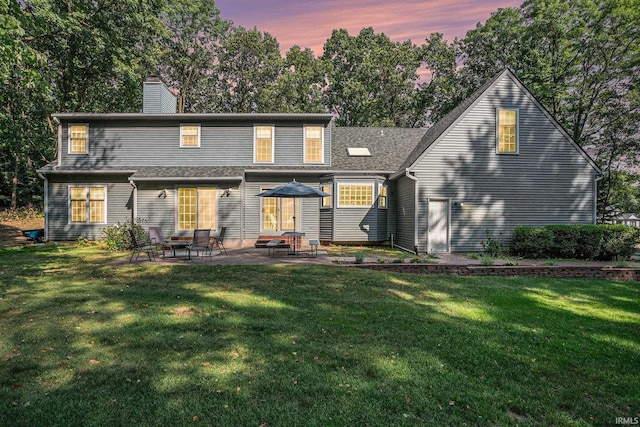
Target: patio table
(174, 244)
(296, 237)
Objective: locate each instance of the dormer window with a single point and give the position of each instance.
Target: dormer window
(78, 138)
(263, 144)
(313, 145)
(507, 132)
(190, 135)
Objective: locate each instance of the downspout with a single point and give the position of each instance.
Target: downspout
(134, 211)
(46, 206)
(595, 197)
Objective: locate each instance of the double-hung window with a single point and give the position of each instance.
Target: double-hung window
(78, 139)
(190, 135)
(355, 195)
(326, 201)
(313, 145)
(382, 196)
(88, 204)
(507, 132)
(197, 208)
(263, 151)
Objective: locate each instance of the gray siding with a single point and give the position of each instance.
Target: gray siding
(161, 212)
(119, 206)
(405, 215)
(548, 182)
(154, 143)
(157, 98)
(326, 224)
(309, 218)
(355, 224)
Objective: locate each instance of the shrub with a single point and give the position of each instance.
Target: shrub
(492, 247)
(117, 237)
(603, 241)
(618, 241)
(360, 255)
(531, 242)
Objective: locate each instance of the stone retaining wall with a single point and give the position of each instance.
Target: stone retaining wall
(510, 271)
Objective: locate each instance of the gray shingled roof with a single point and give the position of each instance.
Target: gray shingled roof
(388, 147)
(443, 124)
(165, 172)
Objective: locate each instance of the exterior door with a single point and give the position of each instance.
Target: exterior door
(438, 226)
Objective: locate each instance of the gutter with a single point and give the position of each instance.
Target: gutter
(134, 211)
(318, 171)
(595, 197)
(187, 178)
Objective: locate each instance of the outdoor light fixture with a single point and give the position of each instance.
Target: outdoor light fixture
(162, 194)
(226, 192)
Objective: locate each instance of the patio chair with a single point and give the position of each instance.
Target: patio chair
(157, 238)
(218, 241)
(201, 243)
(139, 246)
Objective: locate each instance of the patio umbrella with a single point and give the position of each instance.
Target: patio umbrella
(294, 190)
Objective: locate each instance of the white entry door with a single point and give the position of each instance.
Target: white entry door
(438, 226)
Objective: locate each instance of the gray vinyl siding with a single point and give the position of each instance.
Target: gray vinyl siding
(357, 224)
(548, 182)
(308, 223)
(326, 224)
(161, 212)
(155, 143)
(405, 215)
(156, 98)
(119, 206)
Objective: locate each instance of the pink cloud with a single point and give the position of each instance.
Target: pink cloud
(309, 23)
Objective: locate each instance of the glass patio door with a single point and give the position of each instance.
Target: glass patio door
(278, 213)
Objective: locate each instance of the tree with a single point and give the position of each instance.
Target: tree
(189, 52)
(298, 88)
(250, 63)
(371, 80)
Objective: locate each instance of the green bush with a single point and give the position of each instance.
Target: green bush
(602, 241)
(531, 242)
(618, 241)
(117, 237)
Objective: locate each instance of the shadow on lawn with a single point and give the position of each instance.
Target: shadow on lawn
(152, 345)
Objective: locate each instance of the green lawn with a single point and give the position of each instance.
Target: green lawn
(85, 342)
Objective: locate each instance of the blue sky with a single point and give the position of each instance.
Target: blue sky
(308, 23)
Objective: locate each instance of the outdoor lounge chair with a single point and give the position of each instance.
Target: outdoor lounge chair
(139, 246)
(157, 238)
(218, 241)
(201, 242)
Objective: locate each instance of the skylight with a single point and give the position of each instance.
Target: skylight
(358, 152)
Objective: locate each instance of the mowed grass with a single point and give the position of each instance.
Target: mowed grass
(84, 341)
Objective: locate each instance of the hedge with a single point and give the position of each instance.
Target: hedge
(601, 242)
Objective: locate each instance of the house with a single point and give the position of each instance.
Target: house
(497, 161)
(627, 219)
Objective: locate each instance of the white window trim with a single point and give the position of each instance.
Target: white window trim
(380, 185)
(337, 199)
(273, 143)
(199, 135)
(297, 206)
(176, 207)
(71, 152)
(505, 153)
(331, 186)
(88, 210)
(304, 154)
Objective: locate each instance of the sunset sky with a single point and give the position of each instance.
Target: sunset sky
(308, 23)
